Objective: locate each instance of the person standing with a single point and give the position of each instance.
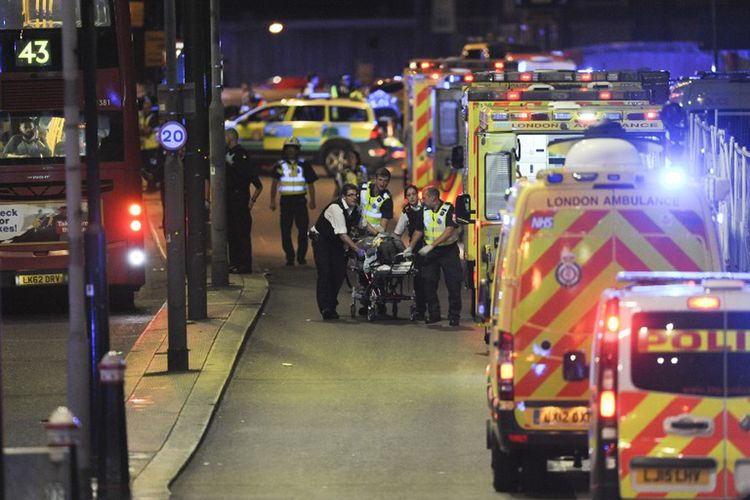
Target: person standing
(376, 201)
(240, 202)
(331, 238)
(293, 179)
(148, 122)
(352, 173)
(440, 252)
(410, 222)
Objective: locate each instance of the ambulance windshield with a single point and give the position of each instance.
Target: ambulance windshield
(691, 353)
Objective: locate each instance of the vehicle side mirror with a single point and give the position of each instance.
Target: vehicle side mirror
(574, 366)
(483, 305)
(457, 157)
(463, 209)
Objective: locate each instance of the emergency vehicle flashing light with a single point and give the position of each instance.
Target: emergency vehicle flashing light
(468, 78)
(587, 117)
(607, 404)
(525, 77)
(703, 302)
(613, 324)
(585, 77)
(506, 371)
(435, 76)
(513, 96)
(499, 65)
(605, 95)
(555, 178)
(652, 115)
(673, 178)
(425, 65)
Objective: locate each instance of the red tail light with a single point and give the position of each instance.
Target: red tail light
(585, 77)
(499, 65)
(525, 77)
(703, 302)
(652, 115)
(425, 64)
(135, 225)
(469, 78)
(607, 405)
(505, 367)
(375, 134)
(513, 96)
(605, 95)
(135, 210)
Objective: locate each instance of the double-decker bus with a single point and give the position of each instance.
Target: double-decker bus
(33, 212)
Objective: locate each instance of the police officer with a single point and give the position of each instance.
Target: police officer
(293, 178)
(411, 220)
(331, 238)
(148, 121)
(240, 174)
(376, 201)
(440, 252)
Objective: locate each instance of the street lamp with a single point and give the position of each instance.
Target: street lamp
(275, 28)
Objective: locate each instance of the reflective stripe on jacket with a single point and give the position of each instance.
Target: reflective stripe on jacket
(292, 180)
(147, 141)
(371, 204)
(435, 225)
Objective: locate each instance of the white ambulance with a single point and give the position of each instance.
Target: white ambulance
(670, 387)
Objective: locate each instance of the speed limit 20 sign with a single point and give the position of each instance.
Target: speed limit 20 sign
(172, 136)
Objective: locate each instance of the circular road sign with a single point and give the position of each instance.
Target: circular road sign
(172, 135)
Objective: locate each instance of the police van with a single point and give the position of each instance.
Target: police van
(670, 387)
(564, 240)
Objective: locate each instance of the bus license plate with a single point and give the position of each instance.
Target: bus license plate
(681, 476)
(40, 279)
(554, 416)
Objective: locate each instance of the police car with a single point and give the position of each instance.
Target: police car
(670, 387)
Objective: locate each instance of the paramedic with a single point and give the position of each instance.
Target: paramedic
(293, 178)
(331, 238)
(440, 253)
(411, 221)
(376, 201)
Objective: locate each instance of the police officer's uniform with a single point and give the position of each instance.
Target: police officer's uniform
(240, 174)
(445, 257)
(293, 180)
(375, 208)
(411, 220)
(330, 251)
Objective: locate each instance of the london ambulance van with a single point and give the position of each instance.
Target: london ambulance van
(564, 240)
(670, 387)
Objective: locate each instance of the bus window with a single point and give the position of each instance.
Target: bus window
(448, 123)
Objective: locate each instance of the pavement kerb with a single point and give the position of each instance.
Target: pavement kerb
(168, 414)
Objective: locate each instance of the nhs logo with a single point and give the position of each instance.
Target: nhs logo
(542, 222)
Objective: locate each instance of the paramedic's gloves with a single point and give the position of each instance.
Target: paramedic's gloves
(360, 254)
(407, 253)
(425, 250)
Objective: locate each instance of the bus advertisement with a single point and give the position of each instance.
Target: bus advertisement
(33, 211)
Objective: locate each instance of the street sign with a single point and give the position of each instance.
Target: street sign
(172, 135)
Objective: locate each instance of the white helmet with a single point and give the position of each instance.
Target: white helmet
(603, 153)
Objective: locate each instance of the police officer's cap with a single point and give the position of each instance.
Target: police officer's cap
(292, 142)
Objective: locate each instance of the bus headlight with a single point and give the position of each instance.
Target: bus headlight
(136, 257)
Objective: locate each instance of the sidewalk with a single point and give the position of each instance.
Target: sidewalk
(168, 413)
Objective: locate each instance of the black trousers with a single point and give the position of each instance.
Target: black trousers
(330, 262)
(445, 259)
(294, 211)
(239, 225)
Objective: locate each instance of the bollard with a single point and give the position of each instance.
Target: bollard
(62, 433)
(113, 478)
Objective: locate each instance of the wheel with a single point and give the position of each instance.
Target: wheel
(353, 309)
(534, 475)
(122, 297)
(334, 157)
(504, 470)
(395, 310)
(372, 312)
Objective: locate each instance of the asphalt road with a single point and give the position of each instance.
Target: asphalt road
(346, 409)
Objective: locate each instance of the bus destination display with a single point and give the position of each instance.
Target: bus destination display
(33, 53)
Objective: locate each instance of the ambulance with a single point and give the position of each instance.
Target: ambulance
(564, 239)
(670, 387)
(519, 123)
(421, 77)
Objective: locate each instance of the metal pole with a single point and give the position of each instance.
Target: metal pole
(196, 161)
(96, 259)
(219, 265)
(79, 382)
(113, 475)
(714, 42)
(177, 353)
(2, 448)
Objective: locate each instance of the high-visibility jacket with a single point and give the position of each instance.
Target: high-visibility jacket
(371, 205)
(148, 141)
(435, 224)
(292, 181)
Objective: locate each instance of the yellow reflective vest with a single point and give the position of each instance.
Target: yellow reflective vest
(148, 139)
(371, 205)
(292, 181)
(435, 224)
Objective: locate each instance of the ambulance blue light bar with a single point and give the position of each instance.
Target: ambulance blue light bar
(487, 94)
(676, 277)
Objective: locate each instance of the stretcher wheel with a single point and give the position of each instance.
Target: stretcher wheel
(353, 309)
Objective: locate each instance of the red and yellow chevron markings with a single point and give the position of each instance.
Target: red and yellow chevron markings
(423, 131)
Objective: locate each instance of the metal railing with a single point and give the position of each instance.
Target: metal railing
(716, 156)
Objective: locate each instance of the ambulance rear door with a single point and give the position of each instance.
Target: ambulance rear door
(737, 381)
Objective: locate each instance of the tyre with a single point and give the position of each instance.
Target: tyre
(372, 312)
(504, 470)
(534, 476)
(334, 156)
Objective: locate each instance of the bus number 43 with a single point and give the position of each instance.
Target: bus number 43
(35, 52)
